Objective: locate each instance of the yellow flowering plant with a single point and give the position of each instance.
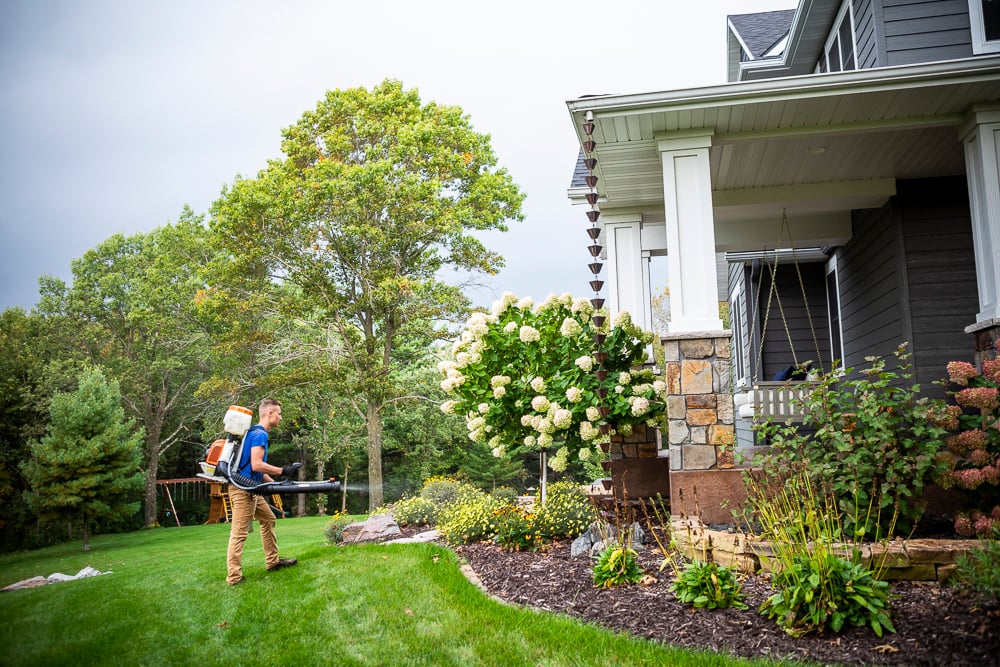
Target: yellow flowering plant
(525, 378)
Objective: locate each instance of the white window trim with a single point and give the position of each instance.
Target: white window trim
(741, 363)
(979, 43)
(846, 8)
(832, 267)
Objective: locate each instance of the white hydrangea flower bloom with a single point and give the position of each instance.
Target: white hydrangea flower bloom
(574, 395)
(593, 413)
(622, 319)
(562, 419)
(570, 328)
(624, 378)
(587, 431)
(526, 303)
(499, 392)
(448, 407)
(582, 305)
(659, 386)
(559, 461)
(545, 426)
(528, 334)
(499, 380)
(544, 440)
(507, 299)
(476, 424)
(445, 365)
(529, 441)
(483, 408)
(477, 436)
(526, 420)
(640, 406)
(584, 454)
(509, 327)
(585, 363)
(540, 403)
(619, 389)
(538, 384)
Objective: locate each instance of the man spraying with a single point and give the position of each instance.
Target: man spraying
(247, 506)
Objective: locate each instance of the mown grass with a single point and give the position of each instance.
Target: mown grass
(166, 603)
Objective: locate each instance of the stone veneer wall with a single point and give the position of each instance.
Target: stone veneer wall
(699, 401)
(985, 336)
(701, 428)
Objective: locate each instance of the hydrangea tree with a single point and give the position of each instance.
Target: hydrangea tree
(527, 378)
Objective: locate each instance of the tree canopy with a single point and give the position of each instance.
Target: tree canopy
(377, 193)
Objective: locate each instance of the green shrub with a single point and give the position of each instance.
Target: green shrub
(516, 529)
(471, 518)
(507, 493)
(567, 512)
(334, 530)
(415, 511)
(815, 593)
(445, 490)
(708, 586)
(978, 572)
(617, 565)
(876, 444)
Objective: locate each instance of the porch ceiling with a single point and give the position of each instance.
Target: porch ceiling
(893, 123)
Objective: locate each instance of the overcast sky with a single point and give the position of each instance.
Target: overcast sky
(117, 114)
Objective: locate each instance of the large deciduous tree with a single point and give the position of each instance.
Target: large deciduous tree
(86, 467)
(132, 306)
(376, 194)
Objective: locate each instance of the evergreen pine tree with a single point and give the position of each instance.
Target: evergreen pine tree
(86, 466)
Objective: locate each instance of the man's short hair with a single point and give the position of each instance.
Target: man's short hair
(266, 405)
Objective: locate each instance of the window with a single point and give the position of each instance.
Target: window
(984, 19)
(839, 52)
(833, 312)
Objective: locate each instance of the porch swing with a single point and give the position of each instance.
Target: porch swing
(780, 399)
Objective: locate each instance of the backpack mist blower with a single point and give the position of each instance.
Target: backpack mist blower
(223, 462)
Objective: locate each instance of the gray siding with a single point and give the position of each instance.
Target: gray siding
(908, 275)
(867, 33)
(870, 290)
(739, 321)
(941, 274)
(925, 31)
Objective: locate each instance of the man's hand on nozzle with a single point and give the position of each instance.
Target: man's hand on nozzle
(291, 471)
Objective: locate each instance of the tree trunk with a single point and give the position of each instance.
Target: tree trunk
(374, 424)
(321, 500)
(86, 534)
(154, 429)
(300, 506)
(343, 491)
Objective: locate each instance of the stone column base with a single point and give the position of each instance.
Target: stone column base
(710, 495)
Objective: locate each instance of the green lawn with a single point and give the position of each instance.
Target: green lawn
(166, 603)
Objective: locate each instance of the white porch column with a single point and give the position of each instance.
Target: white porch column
(981, 139)
(687, 196)
(628, 269)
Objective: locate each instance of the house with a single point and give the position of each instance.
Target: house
(841, 192)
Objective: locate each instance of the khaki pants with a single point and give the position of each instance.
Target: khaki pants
(246, 508)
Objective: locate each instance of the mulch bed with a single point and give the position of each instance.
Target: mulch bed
(935, 625)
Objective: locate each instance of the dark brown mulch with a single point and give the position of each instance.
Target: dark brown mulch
(934, 625)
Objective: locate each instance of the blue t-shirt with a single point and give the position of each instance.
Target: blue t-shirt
(255, 437)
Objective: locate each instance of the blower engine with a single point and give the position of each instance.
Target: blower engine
(224, 456)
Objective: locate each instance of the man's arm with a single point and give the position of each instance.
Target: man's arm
(258, 464)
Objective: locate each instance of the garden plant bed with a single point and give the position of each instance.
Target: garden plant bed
(934, 624)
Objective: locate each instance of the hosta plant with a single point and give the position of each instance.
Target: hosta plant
(616, 565)
(828, 592)
(708, 586)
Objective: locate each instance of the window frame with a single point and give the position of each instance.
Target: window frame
(836, 337)
(977, 24)
(833, 40)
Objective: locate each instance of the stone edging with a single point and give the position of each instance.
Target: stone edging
(909, 560)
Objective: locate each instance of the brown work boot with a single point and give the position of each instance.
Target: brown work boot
(282, 564)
